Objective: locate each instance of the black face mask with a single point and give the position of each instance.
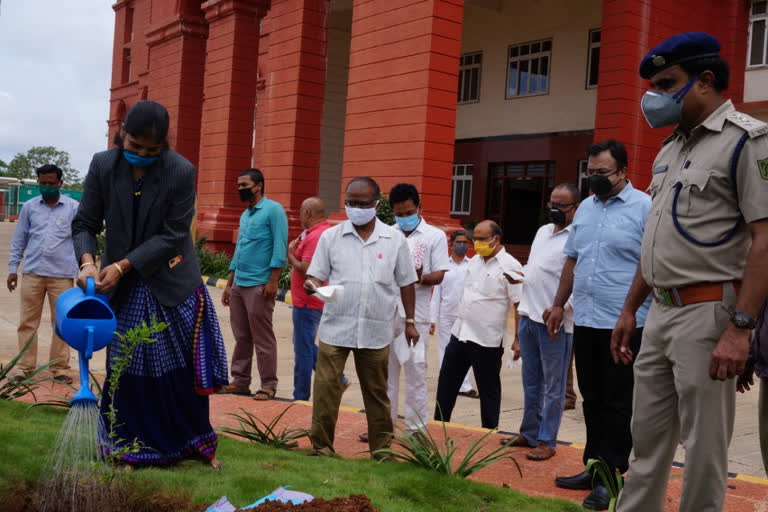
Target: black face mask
(601, 185)
(246, 194)
(557, 216)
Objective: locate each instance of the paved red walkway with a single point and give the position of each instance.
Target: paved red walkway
(744, 494)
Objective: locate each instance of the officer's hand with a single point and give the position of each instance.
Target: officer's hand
(13, 279)
(516, 349)
(431, 329)
(554, 321)
(411, 334)
(730, 354)
(545, 314)
(622, 333)
(745, 380)
(225, 296)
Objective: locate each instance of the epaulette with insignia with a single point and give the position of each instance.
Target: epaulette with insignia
(753, 127)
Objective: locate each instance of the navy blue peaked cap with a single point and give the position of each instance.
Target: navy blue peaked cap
(677, 49)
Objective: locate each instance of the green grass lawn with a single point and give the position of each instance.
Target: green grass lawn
(252, 471)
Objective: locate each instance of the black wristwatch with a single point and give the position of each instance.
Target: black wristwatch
(742, 320)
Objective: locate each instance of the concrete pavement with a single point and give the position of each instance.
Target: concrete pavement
(744, 454)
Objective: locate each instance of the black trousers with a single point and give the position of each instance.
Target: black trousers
(607, 391)
(486, 365)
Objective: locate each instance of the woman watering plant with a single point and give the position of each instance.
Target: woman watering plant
(144, 193)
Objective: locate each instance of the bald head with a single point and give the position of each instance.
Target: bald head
(490, 232)
(312, 212)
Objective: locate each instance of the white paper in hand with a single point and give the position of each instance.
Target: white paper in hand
(327, 293)
(512, 364)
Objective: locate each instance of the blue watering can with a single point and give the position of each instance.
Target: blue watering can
(86, 322)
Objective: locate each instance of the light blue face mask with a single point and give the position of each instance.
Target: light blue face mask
(408, 224)
(664, 108)
(138, 160)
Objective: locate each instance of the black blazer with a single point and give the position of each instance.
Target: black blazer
(161, 231)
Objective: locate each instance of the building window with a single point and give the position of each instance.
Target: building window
(469, 77)
(528, 69)
(461, 195)
(757, 34)
(593, 58)
(518, 193)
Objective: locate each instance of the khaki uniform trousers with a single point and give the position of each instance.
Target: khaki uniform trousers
(34, 288)
(675, 400)
(371, 366)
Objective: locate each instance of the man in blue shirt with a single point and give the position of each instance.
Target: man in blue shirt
(44, 232)
(260, 255)
(603, 251)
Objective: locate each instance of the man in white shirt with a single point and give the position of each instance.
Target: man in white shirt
(491, 287)
(371, 263)
(429, 251)
(545, 361)
(446, 297)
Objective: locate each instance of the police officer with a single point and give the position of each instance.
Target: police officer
(704, 258)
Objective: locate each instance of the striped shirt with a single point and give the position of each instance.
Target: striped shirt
(372, 273)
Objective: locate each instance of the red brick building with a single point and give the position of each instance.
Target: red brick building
(484, 105)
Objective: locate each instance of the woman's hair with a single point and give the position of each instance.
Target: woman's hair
(148, 119)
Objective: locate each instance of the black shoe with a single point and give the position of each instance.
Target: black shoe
(598, 499)
(580, 482)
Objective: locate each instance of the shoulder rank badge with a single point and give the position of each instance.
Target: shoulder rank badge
(763, 166)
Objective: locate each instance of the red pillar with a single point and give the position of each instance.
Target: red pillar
(630, 29)
(293, 105)
(401, 99)
(176, 44)
(227, 119)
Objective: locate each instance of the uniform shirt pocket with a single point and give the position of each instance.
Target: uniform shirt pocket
(695, 197)
(656, 183)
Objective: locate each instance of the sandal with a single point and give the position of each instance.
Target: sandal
(471, 393)
(215, 464)
(263, 395)
(64, 379)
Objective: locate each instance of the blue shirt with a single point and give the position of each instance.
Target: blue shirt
(45, 233)
(261, 243)
(605, 240)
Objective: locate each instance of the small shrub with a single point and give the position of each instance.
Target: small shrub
(612, 482)
(284, 281)
(423, 450)
(212, 264)
(12, 388)
(385, 214)
(254, 429)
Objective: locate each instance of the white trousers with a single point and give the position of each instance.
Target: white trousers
(416, 403)
(444, 325)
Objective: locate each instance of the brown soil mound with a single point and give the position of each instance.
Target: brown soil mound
(355, 503)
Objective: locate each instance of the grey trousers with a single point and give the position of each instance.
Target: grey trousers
(675, 401)
(251, 317)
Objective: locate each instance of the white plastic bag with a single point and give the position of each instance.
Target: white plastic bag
(327, 293)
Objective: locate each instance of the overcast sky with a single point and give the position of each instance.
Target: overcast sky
(55, 71)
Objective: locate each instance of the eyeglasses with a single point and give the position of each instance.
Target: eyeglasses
(560, 206)
(601, 171)
(361, 204)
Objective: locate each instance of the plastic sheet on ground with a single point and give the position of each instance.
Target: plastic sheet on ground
(279, 494)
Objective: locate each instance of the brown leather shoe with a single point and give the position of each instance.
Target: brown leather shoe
(517, 441)
(363, 438)
(541, 452)
(234, 389)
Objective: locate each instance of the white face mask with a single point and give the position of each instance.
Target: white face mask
(361, 216)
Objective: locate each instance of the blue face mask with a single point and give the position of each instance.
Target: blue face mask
(664, 108)
(138, 160)
(408, 223)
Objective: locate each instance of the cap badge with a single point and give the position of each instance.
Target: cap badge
(658, 60)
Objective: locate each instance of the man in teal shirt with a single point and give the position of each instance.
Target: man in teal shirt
(260, 256)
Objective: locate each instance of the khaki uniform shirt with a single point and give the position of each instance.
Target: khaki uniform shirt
(706, 208)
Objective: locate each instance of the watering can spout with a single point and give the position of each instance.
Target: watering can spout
(84, 394)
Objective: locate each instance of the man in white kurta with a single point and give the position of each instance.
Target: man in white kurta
(446, 297)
